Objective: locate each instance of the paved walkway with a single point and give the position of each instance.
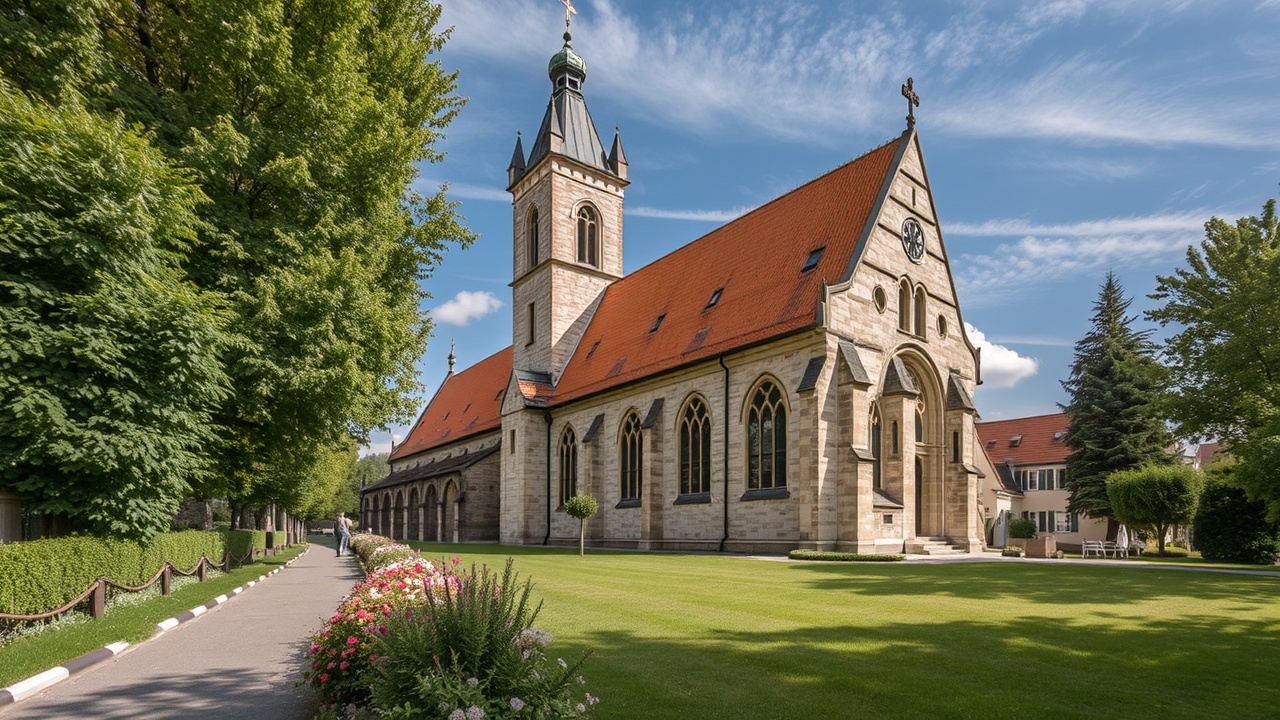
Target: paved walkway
(243, 659)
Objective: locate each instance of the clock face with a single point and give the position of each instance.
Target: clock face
(913, 240)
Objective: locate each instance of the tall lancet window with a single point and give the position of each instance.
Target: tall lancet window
(875, 446)
(767, 439)
(630, 458)
(588, 236)
(568, 464)
(531, 235)
(904, 305)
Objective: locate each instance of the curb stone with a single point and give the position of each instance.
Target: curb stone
(24, 689)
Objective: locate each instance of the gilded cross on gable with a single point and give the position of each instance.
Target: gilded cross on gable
(569, 10)
(913, 102)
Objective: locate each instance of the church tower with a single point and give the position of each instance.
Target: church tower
(566, 222)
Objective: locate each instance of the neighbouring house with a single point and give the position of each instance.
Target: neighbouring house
(1029, 461)
(800, 377)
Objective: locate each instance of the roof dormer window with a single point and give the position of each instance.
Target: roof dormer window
(1015, 441)
(812, 262)
(715, 298)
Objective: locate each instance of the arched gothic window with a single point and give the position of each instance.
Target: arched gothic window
(568, 464)
(919, 308)
(631, 462)
(531, 236)
(767, 439)
(904, 305)
(588, 236)
(695, 448)
(876, 463)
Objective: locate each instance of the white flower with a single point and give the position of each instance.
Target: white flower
(563, 665)
(457, 714)
(473, 682)
(475, 713)
(581, 708)
(517, 704)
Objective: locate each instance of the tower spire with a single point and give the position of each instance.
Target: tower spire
(452, 358)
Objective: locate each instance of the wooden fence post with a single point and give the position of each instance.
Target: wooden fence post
(98, 603)
(202, 570)
(166, 578)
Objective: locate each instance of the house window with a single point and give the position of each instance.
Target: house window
(588, 236)
(904, 306)
(695, 448)
(531, 234)
(767, 439)
(920, 311)
(568, 464)
(1065, 522)
(875, 447)
(630, 458)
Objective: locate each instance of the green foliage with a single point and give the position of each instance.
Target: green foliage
(1224, 359)
(41, 575)
(1022, 528)
(1114, 389)
(1229, 527)
(474, 646)
(109, 368)
(843, 556)
(1011, 551)
(581, 506)
(1155, 497)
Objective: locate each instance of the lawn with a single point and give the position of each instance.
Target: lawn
(27, 656)
(696, 636)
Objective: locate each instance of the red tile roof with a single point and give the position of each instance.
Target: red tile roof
(1036, 444)
(467, 403)
(756, 260)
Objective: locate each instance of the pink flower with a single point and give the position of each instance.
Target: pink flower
(343, 664)
(324, 677)
(352, 640)
(361, 614)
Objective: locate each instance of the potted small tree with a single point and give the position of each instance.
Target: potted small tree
(582, 507)
(1020, 531)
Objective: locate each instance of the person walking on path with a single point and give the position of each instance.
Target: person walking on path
(242, 659)
(342, 529)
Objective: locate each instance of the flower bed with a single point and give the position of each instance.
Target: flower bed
(422, 639)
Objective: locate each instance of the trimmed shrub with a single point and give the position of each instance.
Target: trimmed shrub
(1022, 528)
(1155, 496)
(42, 575)
(842, 556)
(1229, 527)
(240, 542)
(1011, 551)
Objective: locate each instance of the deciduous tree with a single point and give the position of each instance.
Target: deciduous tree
(1155, 496)
(1224, 357)
(109, 368)
(1114, 421)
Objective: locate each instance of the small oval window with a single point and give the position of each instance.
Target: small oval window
(881, 300)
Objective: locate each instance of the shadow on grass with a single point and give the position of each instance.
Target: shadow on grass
(1016, 667)
(1039, 582)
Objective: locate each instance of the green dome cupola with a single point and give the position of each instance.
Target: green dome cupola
(567, 69)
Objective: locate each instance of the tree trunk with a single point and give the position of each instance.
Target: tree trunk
(1160, 530)
(1113, 529)
(582, 538)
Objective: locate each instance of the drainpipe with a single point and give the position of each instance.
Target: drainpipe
(547, 416)
(725, 453)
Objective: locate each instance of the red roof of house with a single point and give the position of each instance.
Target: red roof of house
(467, 403)
(755, 262)
(1026, 441)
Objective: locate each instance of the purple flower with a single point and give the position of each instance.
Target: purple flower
(517, 704)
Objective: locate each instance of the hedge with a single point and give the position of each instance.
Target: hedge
(841, 556)
(42, 575)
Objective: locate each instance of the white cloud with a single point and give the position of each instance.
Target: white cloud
(1001, 367)
(465, 307)
(720, 216)
(463, 191)
(814, 73)
(1052, 253)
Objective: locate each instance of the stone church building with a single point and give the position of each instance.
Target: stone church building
(798, 378)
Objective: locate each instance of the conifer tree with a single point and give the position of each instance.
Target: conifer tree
(1114, 388)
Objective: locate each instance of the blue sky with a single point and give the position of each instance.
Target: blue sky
(1063, 139)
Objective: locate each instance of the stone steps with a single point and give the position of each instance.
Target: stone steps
(933, 546)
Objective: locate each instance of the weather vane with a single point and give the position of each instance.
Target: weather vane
(913, 102)
(569, 11)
